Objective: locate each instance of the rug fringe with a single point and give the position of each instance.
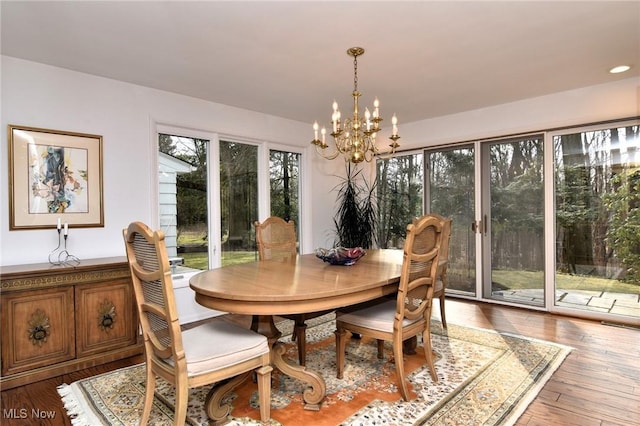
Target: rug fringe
(72, 406)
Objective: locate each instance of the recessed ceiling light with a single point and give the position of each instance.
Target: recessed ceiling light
(619, 69)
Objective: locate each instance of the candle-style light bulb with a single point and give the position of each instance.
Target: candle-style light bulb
(315, 130)
(376, 108)
(367, 117)
(323, 132)
(394, 122)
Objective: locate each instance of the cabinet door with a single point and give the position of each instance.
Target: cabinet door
(105, 316)
(37, 329)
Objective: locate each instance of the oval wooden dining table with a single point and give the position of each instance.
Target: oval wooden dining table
(304, 284)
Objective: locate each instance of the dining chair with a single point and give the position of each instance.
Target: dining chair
(409, 314)
(276, 240)
(205, 354)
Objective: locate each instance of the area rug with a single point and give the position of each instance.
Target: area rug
(485, 378)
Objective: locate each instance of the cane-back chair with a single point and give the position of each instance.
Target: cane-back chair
(201, 355)
(410, 313)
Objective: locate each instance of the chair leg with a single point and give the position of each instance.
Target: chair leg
(428, 354)
(181, 403)
(442, 315)
(301, 335)
(264, 391)
(399, 360)
(148, 397)
(341, 343)
(380, 349)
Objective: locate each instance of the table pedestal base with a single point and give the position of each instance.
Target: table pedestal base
(313, 395)
(213, 403)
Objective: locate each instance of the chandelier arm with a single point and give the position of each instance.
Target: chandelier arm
(391, 153)
(385, 156)
(332, 156)
(369, 155)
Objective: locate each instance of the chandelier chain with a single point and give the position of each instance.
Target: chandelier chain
(355, 73)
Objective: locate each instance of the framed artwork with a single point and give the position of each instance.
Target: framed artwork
(54, 177)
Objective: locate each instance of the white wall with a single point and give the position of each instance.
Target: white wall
(611, 101)
(38, 95)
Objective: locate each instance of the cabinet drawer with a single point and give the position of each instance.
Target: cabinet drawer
(105, 316)
(37, 329)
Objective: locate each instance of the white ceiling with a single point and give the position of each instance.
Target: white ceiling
(423, 59)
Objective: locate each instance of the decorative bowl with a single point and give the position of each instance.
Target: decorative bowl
(340, 255)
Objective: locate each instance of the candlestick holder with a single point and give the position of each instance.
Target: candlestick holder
(60, 256)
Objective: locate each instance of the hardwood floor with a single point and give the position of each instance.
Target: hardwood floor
(598, 383)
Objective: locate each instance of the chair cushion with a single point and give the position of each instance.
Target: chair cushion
(377, 317)
(218, 344)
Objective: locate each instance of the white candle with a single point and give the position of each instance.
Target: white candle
(324, 132)
(315, 130)
(59, 224)
(394, 121)
(66, 228)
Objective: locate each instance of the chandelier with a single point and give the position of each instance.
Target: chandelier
(355, 137)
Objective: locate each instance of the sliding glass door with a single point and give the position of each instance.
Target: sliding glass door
(451, 193)
(496, 201)
(554, 219)
(512, 220)
(597, 216)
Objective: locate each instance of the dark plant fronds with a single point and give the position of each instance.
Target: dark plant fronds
(357, 215)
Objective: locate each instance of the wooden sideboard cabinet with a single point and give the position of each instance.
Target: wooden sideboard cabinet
(59, 319)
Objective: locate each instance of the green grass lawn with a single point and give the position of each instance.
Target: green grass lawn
(200, 261)
(197, 236)
(514, 279)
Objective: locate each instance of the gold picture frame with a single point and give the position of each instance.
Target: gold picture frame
(54, 176)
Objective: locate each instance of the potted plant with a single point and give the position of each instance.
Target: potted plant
(356, 219)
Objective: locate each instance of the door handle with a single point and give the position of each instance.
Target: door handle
(479, 226)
